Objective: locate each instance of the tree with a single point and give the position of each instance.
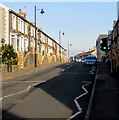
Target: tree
(9, 56)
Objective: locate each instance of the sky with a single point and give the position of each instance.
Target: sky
(81, 22)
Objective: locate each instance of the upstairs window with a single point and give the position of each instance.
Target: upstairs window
(22, 26)
(14, 22)
(26, 29)
(19, 24)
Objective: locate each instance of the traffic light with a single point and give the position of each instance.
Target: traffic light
(103, 44)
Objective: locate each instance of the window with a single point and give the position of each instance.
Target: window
(42, 49)
(26, 45)
(22, 26)
(31, 31)
(49, 42)
(22, 44)
(26, 29)
(50, 51)
(34, 32)
(18, 40)
(14, 42)
(14, 22)
(32, 42)
(19, 24)
(38, 35)
(42, 38)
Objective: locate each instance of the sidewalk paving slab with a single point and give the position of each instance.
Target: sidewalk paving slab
(105, 104)
(10, 75)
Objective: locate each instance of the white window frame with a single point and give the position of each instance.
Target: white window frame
(13, 22)
(19, 24)
(26, 28)
(42, 48)
(21, 46)
(33, 32)
(26, 44)
(13, 36)
(22, 26)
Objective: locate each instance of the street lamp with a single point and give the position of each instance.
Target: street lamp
(60, 37)
(68, 48)
(42, 12)
(60, 42)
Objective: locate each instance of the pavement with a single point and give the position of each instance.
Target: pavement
(105, 98)
(10, 75)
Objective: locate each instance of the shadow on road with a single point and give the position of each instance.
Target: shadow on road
(67, 86)
(10, 116)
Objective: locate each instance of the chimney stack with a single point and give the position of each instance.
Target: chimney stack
(22, 13)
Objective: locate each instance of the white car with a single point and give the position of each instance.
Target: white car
(90, 60)
(78, 60)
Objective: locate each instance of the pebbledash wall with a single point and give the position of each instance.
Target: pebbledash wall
(19, 32)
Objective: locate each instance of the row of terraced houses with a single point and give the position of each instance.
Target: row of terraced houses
(16, 30)
(112, 53)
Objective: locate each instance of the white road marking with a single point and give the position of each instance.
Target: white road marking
(21, 82)
(11, 95)
(28, 88)
(66, 68)
(92, 69)
(76, 102)
(91, 99)
(74, 73)
(78, 106)
(91, 72)
(73, 116)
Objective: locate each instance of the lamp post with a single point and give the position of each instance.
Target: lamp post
(68, 48)
(42, 12)
(60, 42)
(60, 37)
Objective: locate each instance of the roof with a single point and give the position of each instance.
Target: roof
(11, 11)
(102, 36)
(5, 7)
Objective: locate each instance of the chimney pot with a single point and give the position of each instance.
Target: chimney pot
(20, 10)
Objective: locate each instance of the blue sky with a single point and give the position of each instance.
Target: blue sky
(81, 22)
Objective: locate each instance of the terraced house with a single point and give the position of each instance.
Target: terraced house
(16, 30)
(113, 51)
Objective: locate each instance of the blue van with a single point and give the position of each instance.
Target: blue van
(90, 60)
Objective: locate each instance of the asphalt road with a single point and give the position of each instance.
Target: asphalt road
(61, 91)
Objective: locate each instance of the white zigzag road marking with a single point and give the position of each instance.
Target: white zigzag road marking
(76, 102)
(91, 72)
(28, 88)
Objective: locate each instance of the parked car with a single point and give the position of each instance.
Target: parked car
(90, 60)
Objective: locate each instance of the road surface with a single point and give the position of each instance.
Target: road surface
(61, 91)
